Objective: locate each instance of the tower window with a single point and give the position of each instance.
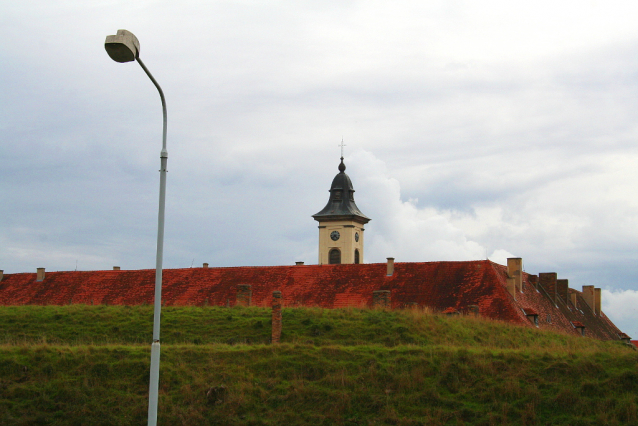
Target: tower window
(337, 196)
(334, 257)
(356, 256)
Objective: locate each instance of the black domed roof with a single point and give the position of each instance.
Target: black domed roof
(341, 205)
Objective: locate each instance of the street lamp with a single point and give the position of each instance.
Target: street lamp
(124, 47)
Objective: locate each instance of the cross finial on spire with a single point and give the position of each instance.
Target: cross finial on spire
(342, 145)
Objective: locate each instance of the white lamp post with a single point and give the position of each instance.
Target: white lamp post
(124, 47)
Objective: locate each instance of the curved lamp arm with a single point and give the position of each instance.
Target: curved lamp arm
(124, 47)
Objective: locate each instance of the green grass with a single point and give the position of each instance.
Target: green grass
(77, 365)
(98, 325)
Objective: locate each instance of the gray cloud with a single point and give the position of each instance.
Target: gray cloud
(471, 131)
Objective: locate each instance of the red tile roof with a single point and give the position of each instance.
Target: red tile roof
(559, 315)
(437, 285)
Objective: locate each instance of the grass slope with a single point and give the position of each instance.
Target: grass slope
(76, 365)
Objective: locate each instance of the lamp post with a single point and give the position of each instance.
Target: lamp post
(124, 47)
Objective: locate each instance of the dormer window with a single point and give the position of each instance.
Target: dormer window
(579, 326)
(336, 196)
(625, 338)
(531, 315)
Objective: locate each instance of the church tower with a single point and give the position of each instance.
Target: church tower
(341, 223)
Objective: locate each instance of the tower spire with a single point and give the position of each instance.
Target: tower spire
(342, 167)
(341, 222)
(342, 145)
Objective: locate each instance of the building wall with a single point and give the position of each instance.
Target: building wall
(346, 242)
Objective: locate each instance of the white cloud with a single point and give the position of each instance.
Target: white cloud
(500, 256)
(621, 306)
(401, 229)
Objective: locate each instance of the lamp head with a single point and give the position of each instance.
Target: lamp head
(122, 47)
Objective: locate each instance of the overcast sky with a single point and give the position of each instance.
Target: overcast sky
(473, 130)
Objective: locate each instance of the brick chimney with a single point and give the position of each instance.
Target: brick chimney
(597, 300)
(1, 274)
(40, 276)
(244, 294)
(547, 281)
(588, 295)
(515, 270)
(562, 289)
(116, 268)
(574, 298)
(511, 286)
(390, 266)
(276, 317)
(533, 280)
(205, 266)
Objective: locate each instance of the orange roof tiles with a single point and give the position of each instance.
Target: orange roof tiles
(437, 285)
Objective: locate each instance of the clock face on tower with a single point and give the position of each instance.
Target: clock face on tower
(334, 235)
(356, 236)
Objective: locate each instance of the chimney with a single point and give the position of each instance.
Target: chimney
(547, 280)
(574, 297)
(588, 295)
(390, 266)
(597, 300)
(1, 274)
(116, 268)
(515, 270)
(511, 286)
(244, 294)
(276, 317)
(298, 263)
(562, 289)
(40, 276)
(533, 280)
(205, 266)
(381, 299)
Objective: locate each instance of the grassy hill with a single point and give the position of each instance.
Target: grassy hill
(88, 365)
